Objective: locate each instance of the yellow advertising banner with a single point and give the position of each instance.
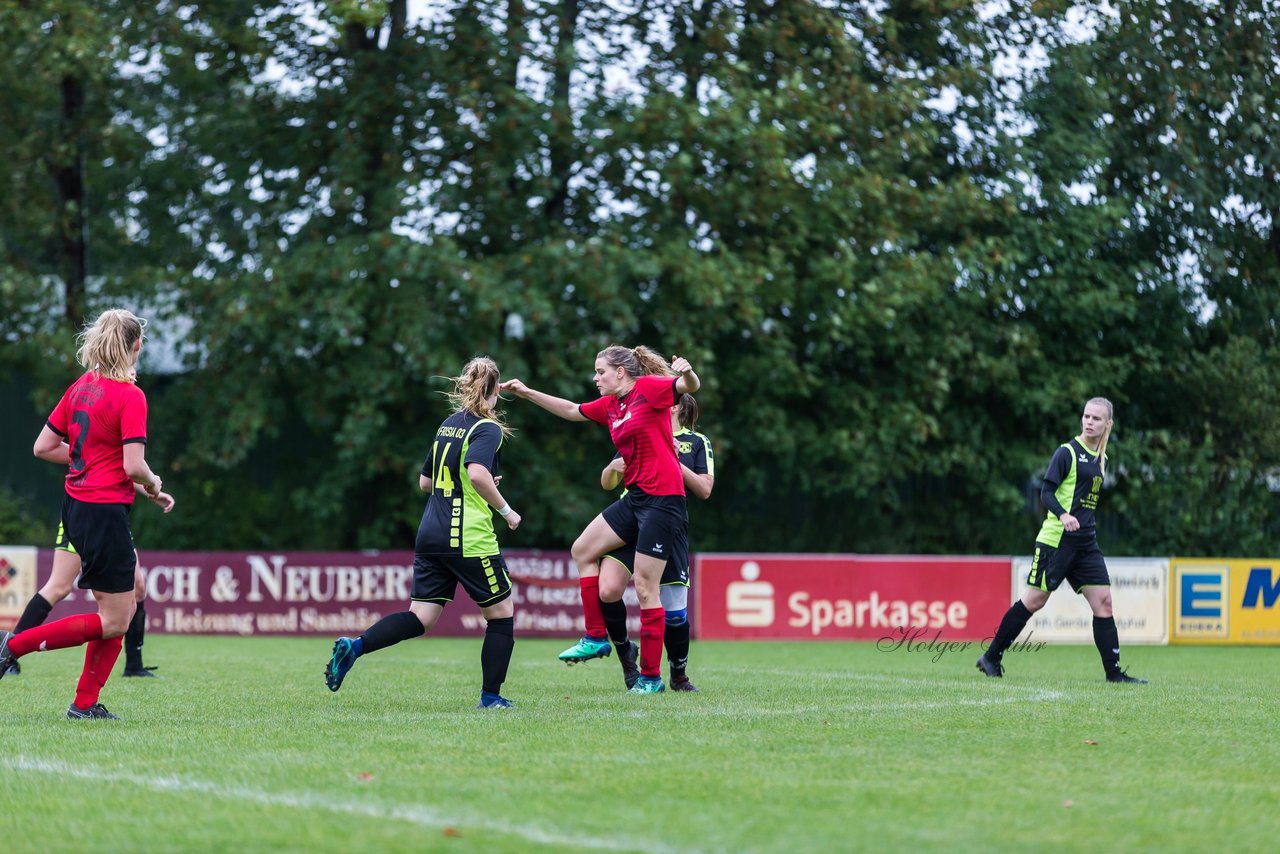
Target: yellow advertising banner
(1228, 601)
(17, 582)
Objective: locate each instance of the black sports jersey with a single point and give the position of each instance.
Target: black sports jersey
(1072, 482)
(694, 450)
(456, 519)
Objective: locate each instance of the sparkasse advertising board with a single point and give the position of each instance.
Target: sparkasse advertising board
(848, 597)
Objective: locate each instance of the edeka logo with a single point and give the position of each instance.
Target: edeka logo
(1202, 602)
(749, 602)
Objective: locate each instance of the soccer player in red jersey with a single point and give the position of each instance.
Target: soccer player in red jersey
(62, 577)
(103, 418)
(697, 464)
(637, 390)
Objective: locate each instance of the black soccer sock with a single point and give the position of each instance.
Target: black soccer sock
(390, 630)
(1107, 639)
(615, 620)
(133, 639)
(34, 614)
(1011, 625)
(677, 641)
(495, 655)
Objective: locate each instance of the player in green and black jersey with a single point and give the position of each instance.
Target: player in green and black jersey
(456, 543)
(1067, 547)
(697, 463)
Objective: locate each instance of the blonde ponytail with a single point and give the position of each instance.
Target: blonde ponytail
(1106, 433)
(106, 346)
(652, 363)
(473, 388)
(636, 361)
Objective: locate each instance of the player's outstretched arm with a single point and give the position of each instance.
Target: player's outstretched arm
(566, 409)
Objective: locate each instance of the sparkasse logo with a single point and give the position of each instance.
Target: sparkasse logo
(749, 602)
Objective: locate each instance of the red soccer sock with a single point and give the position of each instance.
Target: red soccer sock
(591, 613)
(60, 634)
(653, 625)
(99, 657)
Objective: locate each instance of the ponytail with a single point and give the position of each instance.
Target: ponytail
(473, 388)
(687, 412)
(636, 361)
(653, 364)
(1106, 433)
(106, 346)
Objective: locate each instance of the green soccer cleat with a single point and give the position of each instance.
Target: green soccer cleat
(587, 649)
(648, 685)
(344, 655)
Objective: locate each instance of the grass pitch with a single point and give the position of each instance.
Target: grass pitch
(788, 747)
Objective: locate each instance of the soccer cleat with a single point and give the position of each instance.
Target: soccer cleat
(989, 667)
(7, 662)
(1121, 676)
(648, 685)
(682, 683)
(627, 657)
(15, 669)
(586, 649)
(339, 663)
(493, 701)
(141, 671)
(96, 712)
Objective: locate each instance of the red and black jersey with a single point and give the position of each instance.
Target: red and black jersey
(98, 417)
(640, 425)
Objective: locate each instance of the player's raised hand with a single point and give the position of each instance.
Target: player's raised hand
(515, 386)
(681, 364)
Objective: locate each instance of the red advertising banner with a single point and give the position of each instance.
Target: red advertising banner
(848, 597)
(331, 593)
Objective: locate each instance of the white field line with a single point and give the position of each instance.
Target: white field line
(740, 711)
(947, 679)
(411, 813)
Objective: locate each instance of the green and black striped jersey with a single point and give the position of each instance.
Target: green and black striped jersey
(457, 520)
(1071, 485)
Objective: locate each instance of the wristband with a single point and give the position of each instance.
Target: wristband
(504, 510)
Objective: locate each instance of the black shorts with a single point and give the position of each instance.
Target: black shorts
(100, 534)
(675, 572)
(656, 525)
(1080, 563)
(436, 578)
